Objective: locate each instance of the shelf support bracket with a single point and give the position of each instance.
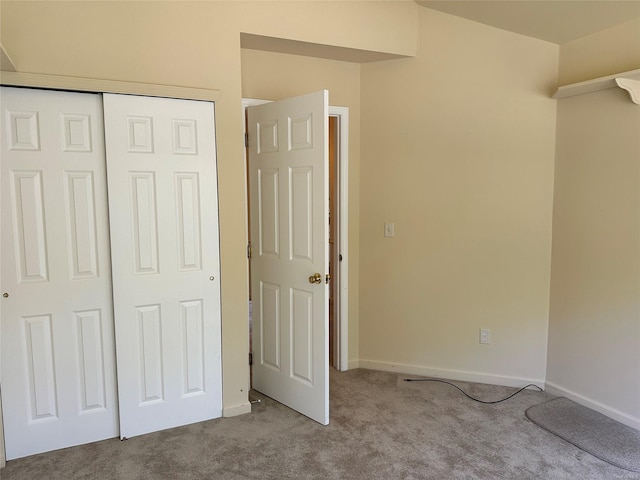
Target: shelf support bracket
(631, 86)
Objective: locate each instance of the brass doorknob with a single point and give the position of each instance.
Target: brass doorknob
(5, 295)
(315, 278)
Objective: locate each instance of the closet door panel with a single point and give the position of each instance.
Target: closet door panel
(163, 213)
(57, 352)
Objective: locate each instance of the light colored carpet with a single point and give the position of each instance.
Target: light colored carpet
(589, 430)
(382, 428)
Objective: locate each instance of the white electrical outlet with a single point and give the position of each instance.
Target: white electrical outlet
(389, 229)
(485, 335)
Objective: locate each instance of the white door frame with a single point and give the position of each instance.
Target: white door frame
(342, 342)
(342, 114)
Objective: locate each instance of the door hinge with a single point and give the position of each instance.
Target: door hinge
(246, 140)
(250, 358)
(249, 251)
(327, 278)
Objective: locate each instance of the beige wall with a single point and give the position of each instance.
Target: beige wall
(594, 322)
(457, 151)
(610, 51)
(379, 26)
(197, 44)
(273, 76)
(456, 146)
(594, 328)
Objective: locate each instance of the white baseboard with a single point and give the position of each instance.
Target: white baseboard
(610, 412)
(353, 364)
(461, 375)
(235, 410)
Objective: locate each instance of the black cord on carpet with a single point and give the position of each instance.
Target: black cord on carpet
(466, 394)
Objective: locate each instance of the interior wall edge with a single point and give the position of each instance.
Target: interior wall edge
(6, 62)
(354, 364)
(559, 390)
(235, 410)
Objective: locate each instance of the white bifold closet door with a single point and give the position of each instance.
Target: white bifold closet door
(60, 305)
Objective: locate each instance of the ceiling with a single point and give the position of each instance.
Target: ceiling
(556, 21)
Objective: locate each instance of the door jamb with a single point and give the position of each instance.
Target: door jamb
(342, 113)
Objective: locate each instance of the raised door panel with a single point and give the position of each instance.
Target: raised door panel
(93, 385)
(269, 326)
(193, 341)
(301, 326)
(144, 238)
(150, 348)
(29, 237)
(187, 187)
(82, 229)
(268, 198)
(301, 214)
(41, 385)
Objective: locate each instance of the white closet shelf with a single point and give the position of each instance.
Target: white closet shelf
(629, 81)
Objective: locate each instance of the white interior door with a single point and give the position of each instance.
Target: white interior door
(57, 364)
(163, 210)
(288, 164)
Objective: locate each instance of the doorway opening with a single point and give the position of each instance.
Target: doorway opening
(338, 236)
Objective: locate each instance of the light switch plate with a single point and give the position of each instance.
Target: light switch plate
(485, 335)
(389, 229)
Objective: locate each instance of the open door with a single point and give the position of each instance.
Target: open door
(288, 180)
